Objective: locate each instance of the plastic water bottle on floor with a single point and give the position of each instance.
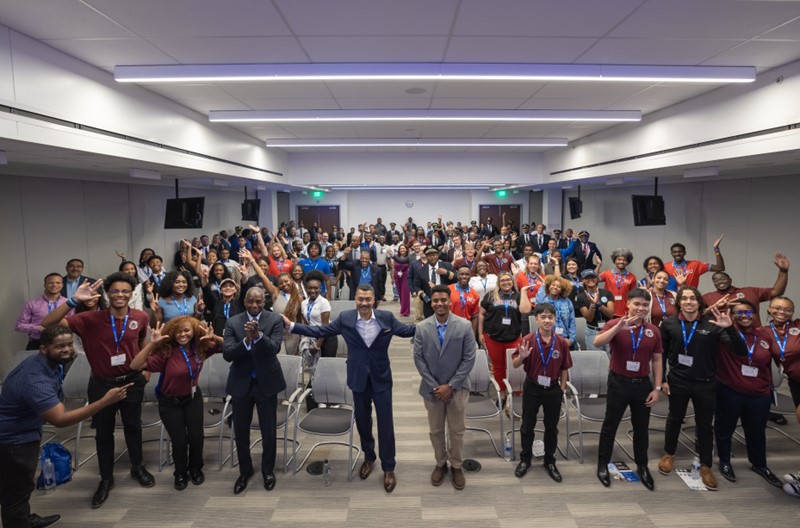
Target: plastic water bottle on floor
(507, 453)
(48, 475)
(327, 479)
(696, 468)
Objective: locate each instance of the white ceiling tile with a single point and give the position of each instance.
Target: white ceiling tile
(477, 103)
(46, 19)
(187, 91)
(594, 103)
(762, 53)
(522, 130)
(372, 89)
(200, 50)
(655, 51)
(205, 105)
(516, 49)
(291, 104)
(194, 18)
(790, 30)
(705, 19)
(320, 131)
(368, 103)
(278, 90)
(106, 53)
(645, 105)
(374, 49)
(541, 18)
(369, 17)
(584, 91)
(490, 89)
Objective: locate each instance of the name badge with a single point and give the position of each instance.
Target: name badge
(194, 389)
(601, 324)
(506, 320)
(559, 331)
(632, 366)
(544, 381)
(399, 274)
(750, 372)
(618, 297)
(118, 360)
(685, 360)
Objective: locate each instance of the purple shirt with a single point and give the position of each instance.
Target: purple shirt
(34, 312)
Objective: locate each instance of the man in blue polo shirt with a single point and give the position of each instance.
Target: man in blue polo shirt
(32, 395)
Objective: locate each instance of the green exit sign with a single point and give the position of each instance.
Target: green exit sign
(501, 193)
(317, 195)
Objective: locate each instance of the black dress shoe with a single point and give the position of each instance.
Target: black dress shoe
(726, 469)
(197, 476)
(37, 521)
(552, 470)
(241, 482)
(143, 477)
(522, 468)
(269, 481)
(769, 476)
(779, 419)
(603, 476)
(645, 477)
(181, 482)
(101, 494)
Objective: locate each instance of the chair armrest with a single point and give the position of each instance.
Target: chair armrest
(509, 389)
(303, 396)
(294, 395)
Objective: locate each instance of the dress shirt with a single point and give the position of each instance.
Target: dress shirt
(34, 312)
(72, 286)
(368, 329)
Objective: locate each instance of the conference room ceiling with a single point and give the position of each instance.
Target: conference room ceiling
(107, 33)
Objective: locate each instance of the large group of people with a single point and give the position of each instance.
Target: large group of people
(251, 296)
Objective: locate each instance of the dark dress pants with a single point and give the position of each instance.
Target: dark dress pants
(18, 468)
(183, 420)
(703, 395)
(266, 406)
(362, 402)
(624, 393)
(753, 411)
(535, 396)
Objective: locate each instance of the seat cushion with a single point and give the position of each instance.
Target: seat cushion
(327, 421)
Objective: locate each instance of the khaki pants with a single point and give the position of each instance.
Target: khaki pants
(454, 413)
(416, 302)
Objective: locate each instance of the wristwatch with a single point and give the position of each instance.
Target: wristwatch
(658, 389)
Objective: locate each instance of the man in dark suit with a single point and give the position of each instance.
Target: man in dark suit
(431, 274)
(362, 271)
(367, 333)
(74, 278)
(540, 239)
(587, 252)
(252, 341)
(490, 230)
(525, 237)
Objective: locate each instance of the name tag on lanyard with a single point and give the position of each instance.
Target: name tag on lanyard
(750, 372)
(632, 366)
(685, 360)
(544, 381)
(118, 360)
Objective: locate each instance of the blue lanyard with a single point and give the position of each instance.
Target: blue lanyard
(687, 340)
(462, 295)
(61, 374)
(545, 362)
(533, 280)
(53, 306)
(499, 263)
(750, 349)
(185, 310)
(781, 344)
(619, 279)
(308, 312)
(472, 265)
(679, 267)
(313, 263)
(506, 301)
(226, 309)
(217, 284)
(366, 274)
(192, 373)
(484, 282)
(118, 340)
(662, 304)
(635, 342)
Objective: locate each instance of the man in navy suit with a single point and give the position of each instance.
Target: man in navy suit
(430, 275)
(252, 341)
(367, 333)
(362, 271)
(74, 278)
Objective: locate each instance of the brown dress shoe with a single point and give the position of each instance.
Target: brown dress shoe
(458, 479)
(665, 464)
(708, 478)
(366, 469)
(438, 475)
(389, 481)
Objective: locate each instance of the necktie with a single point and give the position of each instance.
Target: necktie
(433, 275)
(540, 240)
(440, 329)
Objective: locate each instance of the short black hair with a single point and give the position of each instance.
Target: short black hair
(50, 333)
(154, 257)
(315, 244)
(75, 260)
(119, 276)
(745, 302)
(639, 293)
(440, 288)
(677, 245)
(544, 307)
(657, 259)
(366, 287)
(169, 280)
(52, 275)
(314, 275)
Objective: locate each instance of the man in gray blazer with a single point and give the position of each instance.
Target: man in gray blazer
(444, 352)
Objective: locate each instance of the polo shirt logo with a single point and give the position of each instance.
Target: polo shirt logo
(133, 325)
(794, 331)
(764, 345)
(556, 354)
(648, 332)
(703, 332)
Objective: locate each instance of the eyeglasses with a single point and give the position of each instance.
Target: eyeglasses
(777, 309)
(743, 313)
(120, 292)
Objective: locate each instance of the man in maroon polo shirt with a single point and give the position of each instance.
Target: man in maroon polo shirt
(635, 349)
(111, 339)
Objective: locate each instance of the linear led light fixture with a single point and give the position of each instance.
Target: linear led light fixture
(144, 174)
(432, 72)
(319, 116)
(340, 186)
(702, 172)
(422, 143)
(441, 186)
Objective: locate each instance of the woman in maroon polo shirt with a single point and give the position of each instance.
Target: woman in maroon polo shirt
(662, 300)
(745, 392)
(786, 333)
(177, 350)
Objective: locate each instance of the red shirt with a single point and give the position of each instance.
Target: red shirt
(692, 268)
(791, 360)
(622, 349)
(729, 365)
(498, 263)
(524, 279)
(619, 284)
(661, 307)
(462, 262)
(560, 358)
(754, 295)
(278, 266)
(176, 382)
(466, 304)
(94, 329)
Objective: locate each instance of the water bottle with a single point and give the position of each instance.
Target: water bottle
(507, 452)
(48, 475)
(327, 479)
(696, 468)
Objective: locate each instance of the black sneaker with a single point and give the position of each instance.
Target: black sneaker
(37, 521)
(197, 476)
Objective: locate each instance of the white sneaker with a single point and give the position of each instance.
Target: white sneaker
(792, 488)
(792, 477)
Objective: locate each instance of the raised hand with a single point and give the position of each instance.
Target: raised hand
(286, 322)
(253, 228)
(721, 319)
(120, 254)
(208, 333)
(155, 334)
(200, 306)
(680, 276)
(781, 262)
(524, 350)
(154, 302)
(717, 241)
(87, 291)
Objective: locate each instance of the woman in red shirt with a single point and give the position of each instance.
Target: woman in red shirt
(619, 281)
(177, 350)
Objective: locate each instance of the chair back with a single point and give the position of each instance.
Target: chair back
(532, 323)
(150, 388)
(580, 333)
(479, 375)
(777, 375)
(589, 372)
(330, 382)
(338, 307)
(215, 374)
(515, 376)
(20, 356)
(292, 367)
(76, 381)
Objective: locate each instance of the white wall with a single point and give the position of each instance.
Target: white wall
(758, 216)
(47, 221)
